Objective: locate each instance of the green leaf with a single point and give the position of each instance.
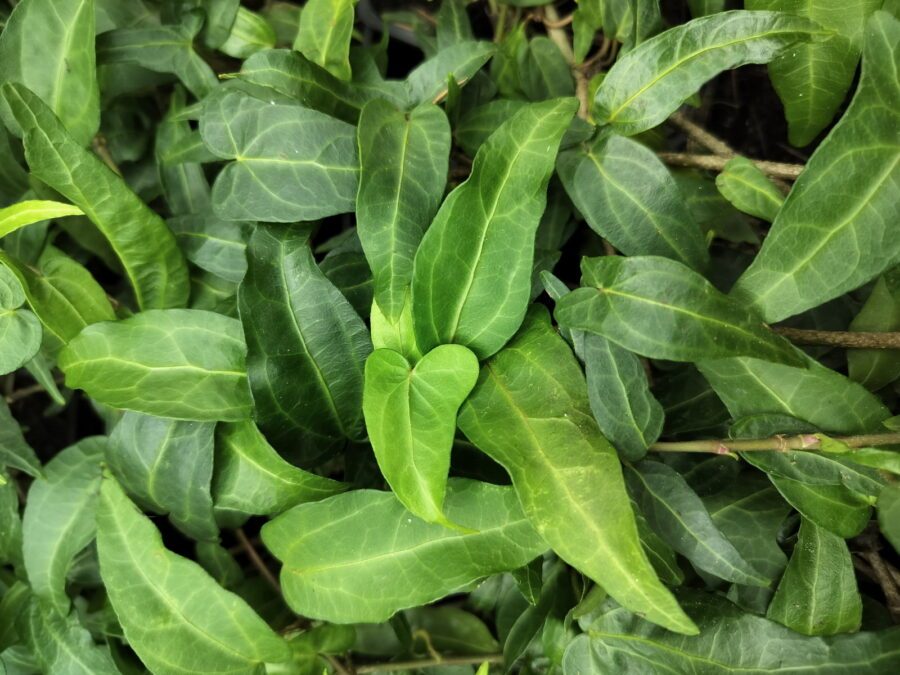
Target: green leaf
(835, 508)
(179, 363)
(834, 231)
(472, 277)
(48, 45)
(14, 451)
(167, 466)
(250, 33)
(661, 309)
(10, 549)
(544, 72)
(60, 643)
(477, 124)
(175, 617)
(817, 594)
(183, 183)
(628, 197)
(20, 330)
(410, 415)
(290, 163)
(324, 36)
(679, 517)
(251, 478)
(706, 7)
(427, 83)
(812, 79)
(361, 557)
(730, 641)
(33, 211)
(453, 24)
(306, 345)
(876, 368)
(889, 515)
(58, 521)
(403, 171)
(625, 409)
(651, 81)
(535, 420)
(745, 185)
(162, 49)
(139, 237)
(215, 245)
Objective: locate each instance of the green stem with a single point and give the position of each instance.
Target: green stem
(427, 663)
(807, 442)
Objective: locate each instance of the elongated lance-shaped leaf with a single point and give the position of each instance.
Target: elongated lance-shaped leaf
(817, 594)
(252, 479)
(175, 617)
(730, 641)
(290, 163)
(835, 508)
(59, 519)
(649, 83)
(875, 368)
(20, 330)
(48, 45)
(411, 418)
(166, 465)
(836, 229)
(812, 79)
(535, 420)
(324, 35)
(178, 363)
(472, 276)
(403, 170)
(306, 345)
(749, 190)
(14, 450)
(628, 197)
(679, 517)
(32, 211)
(427, 83)
(661, 309)
(361, 557)
(139, 237)
(184, 184)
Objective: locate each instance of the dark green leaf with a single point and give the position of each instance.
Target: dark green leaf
(14, 451)
(875, 368)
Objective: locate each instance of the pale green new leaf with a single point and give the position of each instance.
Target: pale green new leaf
(252, 479)
(324, 36)
(628, 197)
(749, 190)
(651, 81)
(33, 211)
(410, 415)
(529, 411)
(361, 557)
(661, 309)
(58, 521)
(48, 45)
(403, 172)
(472, 274)
(875, 368)
(20, 330)
(139, 237)
(817, 594)
(179, 363)
(60, 644)
(175, 617)
(290, 163)
(427, 83)
(836, 229)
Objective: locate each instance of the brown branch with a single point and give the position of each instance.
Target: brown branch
(557, 34)
(427, 663)
(838, 338)
(717, 163)
(556, 23)
(886, 581)
(802, 442)
(697, 133)
(257, 561)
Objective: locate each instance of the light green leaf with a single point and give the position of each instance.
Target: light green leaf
(812, 79)
(477, 124)
(544, 72)
(679, 517)
(290, 163)
(403, 172)
(706, 7)
(744, 185)
(661, 309)
(306, 345)
(427, 83)
(33, 211)
(835, 231)
(411, 419)
(48, 45)
(58, 521)
(817, 594)
(472, 277)
(361, 557)
(324, 36)
(876, 368)
(453, 24)
(10, 547)
(535, 420)
(215, 245)
(651, 81)
(167, 466)
(628, 197)
(61, 645)
(139, 237)
(20, 330)
(14, 451)
(250, 33)
(889, 515)
(178, 363)
(175, 617)
(251, 478)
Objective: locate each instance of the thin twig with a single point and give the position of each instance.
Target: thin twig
(886, 581)
(427, 663)
(839, 338)
(807, 442)
(25, 392)
(717, 163)
(339, 667)
(257, 561)
(697, 133)
(557, 23)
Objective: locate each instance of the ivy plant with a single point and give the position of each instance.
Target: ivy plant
(352, 336)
